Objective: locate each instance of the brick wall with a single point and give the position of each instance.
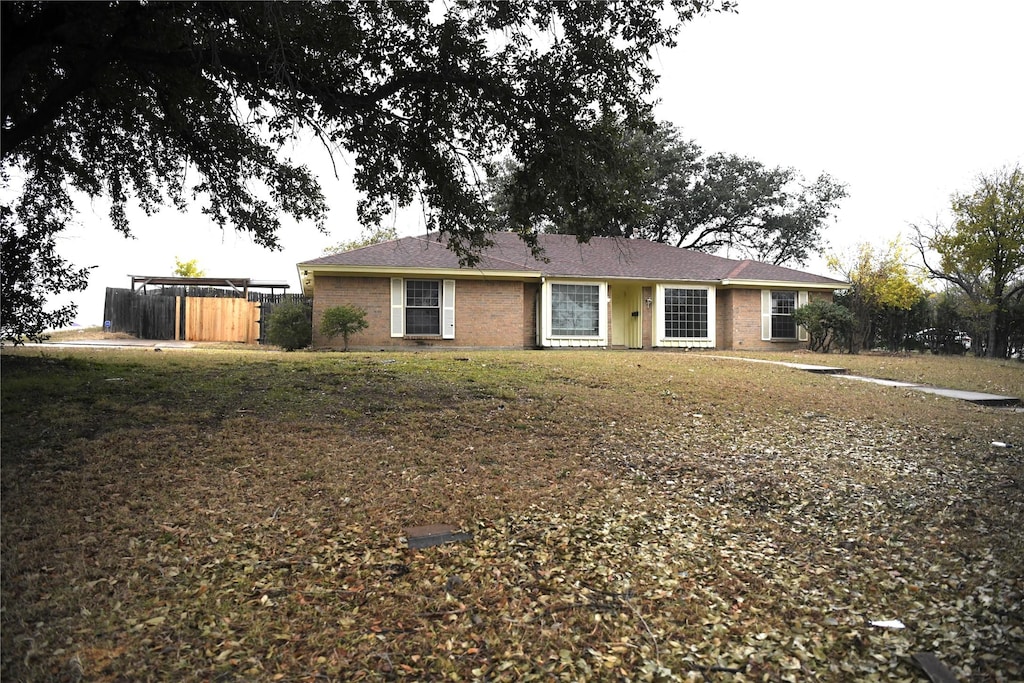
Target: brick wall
(531, 293)
(739, 321)
(503, 314)
(487, 313)
(724, 320)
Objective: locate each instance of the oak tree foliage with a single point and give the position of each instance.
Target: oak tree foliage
(658, 185)
(167, 103)
(30, 268)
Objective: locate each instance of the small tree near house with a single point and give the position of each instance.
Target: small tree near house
(343, 320)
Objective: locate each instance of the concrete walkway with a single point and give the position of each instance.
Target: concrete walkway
(120, 344)
(971, 396)
(976, 397)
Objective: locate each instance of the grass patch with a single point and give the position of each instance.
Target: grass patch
(221, 515)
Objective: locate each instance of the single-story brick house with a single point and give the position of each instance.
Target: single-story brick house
(609, 293)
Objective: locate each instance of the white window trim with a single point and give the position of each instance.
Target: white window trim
(802, 296)
(707, 342)
(550, 340)
(447, 308)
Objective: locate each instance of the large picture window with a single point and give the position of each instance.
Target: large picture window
(686, 313)
(422, 307)
(575, 310)
(783, 305)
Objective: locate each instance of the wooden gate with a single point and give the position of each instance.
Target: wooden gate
(217, 319)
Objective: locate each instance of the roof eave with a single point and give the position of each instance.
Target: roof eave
(792, 284)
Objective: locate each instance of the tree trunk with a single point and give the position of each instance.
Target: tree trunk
(998, 332)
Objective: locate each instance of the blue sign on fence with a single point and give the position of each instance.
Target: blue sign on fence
(106, 324)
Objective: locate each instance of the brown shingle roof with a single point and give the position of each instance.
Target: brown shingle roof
(601, 257)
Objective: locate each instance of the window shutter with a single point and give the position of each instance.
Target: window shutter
(766, 315)
(713, 316)
(448, 310)
(801, 333)
(397, 307)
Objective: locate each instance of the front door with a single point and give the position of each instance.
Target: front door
(627, 316)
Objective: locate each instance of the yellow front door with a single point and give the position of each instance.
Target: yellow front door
(627, 316)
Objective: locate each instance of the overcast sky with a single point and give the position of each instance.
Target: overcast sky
(905, 101)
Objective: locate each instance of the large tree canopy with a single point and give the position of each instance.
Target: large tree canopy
(659, 186)
(982, 251)
(167, 102)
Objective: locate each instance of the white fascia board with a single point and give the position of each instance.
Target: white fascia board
(647, 281)
(784, 284)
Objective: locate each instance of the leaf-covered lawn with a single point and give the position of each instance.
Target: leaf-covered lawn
(220, 516)
(968, 373)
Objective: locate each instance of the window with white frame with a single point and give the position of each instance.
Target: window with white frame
(783, 324)
(575, 310)
(686, 313)
(422, 307)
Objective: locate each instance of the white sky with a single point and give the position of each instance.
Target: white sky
(905, 101)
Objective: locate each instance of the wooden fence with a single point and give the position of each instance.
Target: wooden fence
(169, 315)
(146, 317)
(219, 319)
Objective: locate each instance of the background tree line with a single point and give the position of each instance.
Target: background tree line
(978, 262)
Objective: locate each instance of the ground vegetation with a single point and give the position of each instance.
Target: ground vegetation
(207, 515)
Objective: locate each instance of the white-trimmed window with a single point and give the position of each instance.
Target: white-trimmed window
(422, 308)
(574, 313)
(685, 316)
(686, 313)
(777, 322)
(575, 310)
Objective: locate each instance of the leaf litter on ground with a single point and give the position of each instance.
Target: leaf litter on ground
(633, 516)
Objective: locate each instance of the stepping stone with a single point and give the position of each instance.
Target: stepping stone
(434, 534)
(935, 669)
(972, 396)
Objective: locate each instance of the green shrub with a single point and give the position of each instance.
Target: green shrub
(343, 320)
(290, 325)
(827, 323)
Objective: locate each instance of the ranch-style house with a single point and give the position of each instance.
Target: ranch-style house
(605, 293)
